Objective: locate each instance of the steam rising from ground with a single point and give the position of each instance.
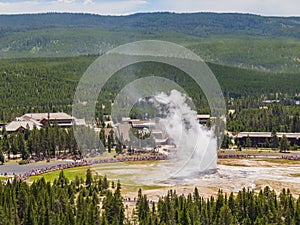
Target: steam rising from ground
(195, 146)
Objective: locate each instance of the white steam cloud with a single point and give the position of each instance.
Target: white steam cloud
(196, 146)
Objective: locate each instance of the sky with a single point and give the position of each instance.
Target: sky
(125, 7)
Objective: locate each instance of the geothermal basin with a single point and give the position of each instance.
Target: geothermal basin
(231, 175)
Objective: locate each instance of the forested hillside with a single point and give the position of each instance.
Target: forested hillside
(48, 85)
(251, 41)
(253, 57)
(198, 24)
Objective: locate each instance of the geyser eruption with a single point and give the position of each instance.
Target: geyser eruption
(195, 145)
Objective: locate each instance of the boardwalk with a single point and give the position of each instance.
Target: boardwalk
(25, 171)
(16, 169)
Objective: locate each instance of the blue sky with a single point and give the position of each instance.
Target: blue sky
(124, 7)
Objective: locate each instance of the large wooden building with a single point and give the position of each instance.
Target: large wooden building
(259, 138)
(61, 119)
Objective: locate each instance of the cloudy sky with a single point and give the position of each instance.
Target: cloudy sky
(123, 7)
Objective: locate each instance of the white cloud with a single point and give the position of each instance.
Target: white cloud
(66, 1)
(263, 7)
(87, 6)
(117, 7)
(88, 1)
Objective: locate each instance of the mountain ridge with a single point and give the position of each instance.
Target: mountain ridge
(198, 24)
(235, 39)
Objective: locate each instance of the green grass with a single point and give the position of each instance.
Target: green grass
(129, 188)
(12, 161)
(3, 178)
(295, 174)
(129, 181)
(70, 173)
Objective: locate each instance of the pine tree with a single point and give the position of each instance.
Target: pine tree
(119, 147)
(248, 143)
(102, 137)
(30, 217)
(284, 144)
(142, 206)
(274, 140)
(2, 159)
(89, 178)
(225, 216)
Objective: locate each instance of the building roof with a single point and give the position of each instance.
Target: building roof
(123, 129)
(203, 116)
(141, 123)
(289, 135)
(270, 101)
(51, 116)
(267, 134)
(254, 134)
(16, 125)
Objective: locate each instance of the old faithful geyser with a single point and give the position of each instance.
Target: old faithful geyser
(195, 145)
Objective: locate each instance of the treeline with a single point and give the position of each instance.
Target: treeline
(39, 144)
(247, 207)
(95, 200)
(270, 118)
(63, 202)
(53, 141)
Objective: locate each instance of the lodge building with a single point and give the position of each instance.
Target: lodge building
(40, 120)
(259, 138)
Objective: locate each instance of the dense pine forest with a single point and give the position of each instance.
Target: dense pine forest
(44, 143)
(254, 58)
(48, 85)
(96, 200)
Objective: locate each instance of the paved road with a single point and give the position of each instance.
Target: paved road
(11, 169)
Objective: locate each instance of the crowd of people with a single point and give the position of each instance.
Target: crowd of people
(234, 156)
(244, 156)
(291, 157)
(26, 175)
(47, 169)
(128, 159)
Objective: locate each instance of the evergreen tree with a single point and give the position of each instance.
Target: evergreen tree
(284, 144)
(2, 159)
(248, 143)
(274, 140)
(102, 137)
(89, 178)
(225, 216)
(30, 217)
(142, 207)
(119, 147)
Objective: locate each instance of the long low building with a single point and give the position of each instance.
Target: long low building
(60, 118)
(259, 138)
(40, 120)
(16, 126)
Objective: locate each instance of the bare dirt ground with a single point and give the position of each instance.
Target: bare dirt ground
(231, 176)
